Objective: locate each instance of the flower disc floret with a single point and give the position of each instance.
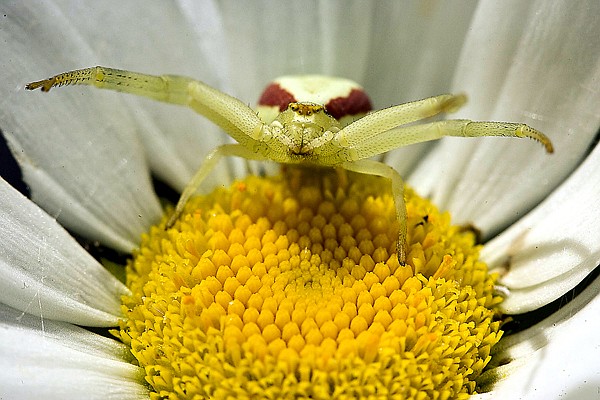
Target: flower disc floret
(289, 287)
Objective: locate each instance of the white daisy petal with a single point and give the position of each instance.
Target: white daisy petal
(175, 138)
(249, 71)
(556, 358)
(83, 163)
(554, 247)
(295, 38)
(41, 358)
(427, 38)
(414, 48)
(43, 271)
(346, 38)
(541, 64)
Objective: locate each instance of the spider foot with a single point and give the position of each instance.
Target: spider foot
(401, 253)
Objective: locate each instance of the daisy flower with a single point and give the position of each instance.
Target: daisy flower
(89, 158)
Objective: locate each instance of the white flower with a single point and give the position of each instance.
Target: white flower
(86, 156)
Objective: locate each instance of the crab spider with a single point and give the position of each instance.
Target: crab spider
(312, 120)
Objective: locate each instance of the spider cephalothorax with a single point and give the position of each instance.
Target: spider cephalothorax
(300, 128)
(310, 119)
(305, 113)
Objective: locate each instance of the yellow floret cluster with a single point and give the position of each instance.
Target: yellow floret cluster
(289, 287)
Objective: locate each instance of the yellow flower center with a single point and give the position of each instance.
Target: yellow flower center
(289, 287)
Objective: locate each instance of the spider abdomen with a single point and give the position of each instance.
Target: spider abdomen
(343, 99)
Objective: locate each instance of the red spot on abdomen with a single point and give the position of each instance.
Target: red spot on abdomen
(275, 95)
(357, 102)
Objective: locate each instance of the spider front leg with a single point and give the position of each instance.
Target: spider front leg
(381, 131)
(371, 167)
(404, 136)
(365, 128)
(231, 114)
(207, 166)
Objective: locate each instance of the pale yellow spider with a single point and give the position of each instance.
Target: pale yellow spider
(313, 120)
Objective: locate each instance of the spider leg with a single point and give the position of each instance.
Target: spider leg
(207, 166)
(372, 124)
(232, 115)
(372, 167)
(404, 136)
